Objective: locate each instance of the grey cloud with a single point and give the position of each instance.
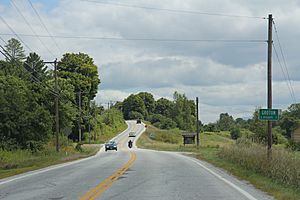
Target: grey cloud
(227, 76)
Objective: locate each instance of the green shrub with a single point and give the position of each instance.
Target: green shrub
(235, 133)
(278, 137)
(294, 146)
(78, 147)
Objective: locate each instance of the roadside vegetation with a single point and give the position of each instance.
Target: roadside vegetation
(27, 110)
(243, 158)
(20, 161)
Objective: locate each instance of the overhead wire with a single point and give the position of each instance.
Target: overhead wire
(172, 10)
(147, 39)
(284, 61)
(284, 74)
(31, 28)
(43, 24)
(12, 30)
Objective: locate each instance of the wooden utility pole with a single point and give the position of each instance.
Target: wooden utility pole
(79, 116)
(56, 104)
(89, 125)
(197, 123)
(270, 43)
(56, 107)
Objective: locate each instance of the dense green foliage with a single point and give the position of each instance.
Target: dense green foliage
(27, 96)
(107, 125)
(256, 130)
(24, 123)
(163, 113)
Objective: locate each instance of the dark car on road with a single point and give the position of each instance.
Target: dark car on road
(138, 121)
(111, 145)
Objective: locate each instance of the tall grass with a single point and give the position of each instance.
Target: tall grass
(284, 166)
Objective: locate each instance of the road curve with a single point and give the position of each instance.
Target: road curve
(129, 174)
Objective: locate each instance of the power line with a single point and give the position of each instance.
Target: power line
(284, 62)
(146, 39)
(29, 25)
(284, 74)
(14, 33)
(174, 10)
(43, 24)
(35, 79)
(3, 40)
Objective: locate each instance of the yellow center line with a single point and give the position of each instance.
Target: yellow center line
(99, 189)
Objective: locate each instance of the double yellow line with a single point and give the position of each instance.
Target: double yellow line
(99, 189)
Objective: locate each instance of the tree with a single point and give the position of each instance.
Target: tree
(133, 103)
(258, 127)
(183, 112)
(225, 122)
(148, 100)
(23, 121)
(290, 119)
(80, 68)
(164, 107)
(15, 50)
(235, 133)
(36, 67)
(211, 127)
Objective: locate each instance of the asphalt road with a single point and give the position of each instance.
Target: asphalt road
(129, 174)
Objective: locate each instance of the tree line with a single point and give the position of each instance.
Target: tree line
(162, 113)
(27, 97)
(256, 129)
(180, 113)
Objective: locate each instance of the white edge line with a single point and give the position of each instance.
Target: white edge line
(246, 194)
(243, 192)
(39, 171)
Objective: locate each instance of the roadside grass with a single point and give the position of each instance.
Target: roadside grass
(20, 161)
(216, 148)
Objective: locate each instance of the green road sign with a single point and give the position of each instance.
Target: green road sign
(269, 114)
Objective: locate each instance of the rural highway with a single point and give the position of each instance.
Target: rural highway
(129, 174)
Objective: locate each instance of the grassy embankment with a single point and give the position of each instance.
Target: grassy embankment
(280, 178)
(20, 161)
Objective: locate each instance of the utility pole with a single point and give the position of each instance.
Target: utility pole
(56, 105)
(89, 125)
(270, 42)
(79, 116)
(197, 123)
(95, 116)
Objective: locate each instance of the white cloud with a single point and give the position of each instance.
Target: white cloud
(228, 77)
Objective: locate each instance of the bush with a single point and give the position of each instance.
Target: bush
(294, 146)
(34, 146)
(247, 134)
(78, 147)
(278, 137)
(235, 133)
(8, 144)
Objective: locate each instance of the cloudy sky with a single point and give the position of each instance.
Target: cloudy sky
(226, 76)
